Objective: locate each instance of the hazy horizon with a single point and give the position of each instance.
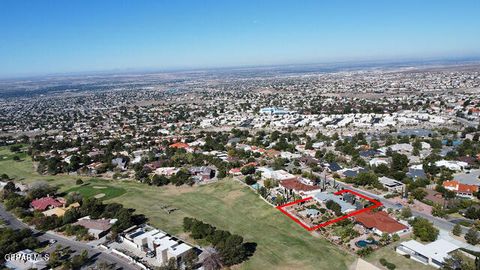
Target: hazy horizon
(56, 37)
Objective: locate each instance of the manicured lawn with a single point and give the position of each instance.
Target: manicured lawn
(228, 205)
(5, 154)
(400, 261)
(100, 191)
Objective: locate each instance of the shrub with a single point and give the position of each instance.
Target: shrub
(387, 264)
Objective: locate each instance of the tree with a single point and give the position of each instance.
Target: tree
(472, 236)
(249, 180)
(385, 239)
(335, 207)
(387, 264)
(382, 169)
(424, 230)
(399, 162)
(406, 212)
(366, 178)
(472, 213)
(106, 266)
(457, 230)
(456, 261)
(278, 164)
(221, 173)
(9, 187)
(395, 237)
(212, 259)
(230, 246)
(249, 169)
(41, 189)
(15, 148)
(233, 250)
(419, 193)
(437, 210)
(190, 259)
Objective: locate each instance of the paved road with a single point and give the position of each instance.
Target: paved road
(93, 252)
(440, 223)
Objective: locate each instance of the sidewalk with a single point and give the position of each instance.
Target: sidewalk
(445, 235)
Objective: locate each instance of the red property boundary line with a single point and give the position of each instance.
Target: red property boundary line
(376, 204)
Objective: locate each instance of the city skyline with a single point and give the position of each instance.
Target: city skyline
(59, 37)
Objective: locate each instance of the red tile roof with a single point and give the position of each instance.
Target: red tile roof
(459, 187)
(379, 220)
(234, 171)
(179, 145)
(297, 185)
(45, 202)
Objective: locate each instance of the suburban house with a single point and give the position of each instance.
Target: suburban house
(279, 175)
(433, 253)
(332, 167)
(167, 171)
(416, 172)
(294, 185)
(238, 171)
(60, 211)
(392, 185)
(93, 168)
(462, 190)
(309, 213)
(155, 165)
(120, 163)
(153, 241)
(45, 203)
(96, 227)
(375, 162)
(323, 197)
(180, 145)
(202, 173)
(380, 222)
(452, 165)
(353, 172)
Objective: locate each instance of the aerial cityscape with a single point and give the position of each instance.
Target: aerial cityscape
(218, 153)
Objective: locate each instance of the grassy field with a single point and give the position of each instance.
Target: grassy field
(228, 205)
(96, 188)
(401, 262)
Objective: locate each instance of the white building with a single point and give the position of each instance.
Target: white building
(432, 254)
(377, 162)
(153, 241)
(453, 165)
(392, 185)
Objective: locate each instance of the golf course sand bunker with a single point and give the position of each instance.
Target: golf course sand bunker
(100, 195)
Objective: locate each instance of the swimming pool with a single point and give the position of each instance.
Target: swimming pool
(364, 243)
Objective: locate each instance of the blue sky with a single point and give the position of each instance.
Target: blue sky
(42, 37)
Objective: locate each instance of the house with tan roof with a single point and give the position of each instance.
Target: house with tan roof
(60, 211)
(96, 227)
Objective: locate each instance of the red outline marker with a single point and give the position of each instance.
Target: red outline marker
(376, 204)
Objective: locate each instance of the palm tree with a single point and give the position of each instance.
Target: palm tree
(211, 259)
